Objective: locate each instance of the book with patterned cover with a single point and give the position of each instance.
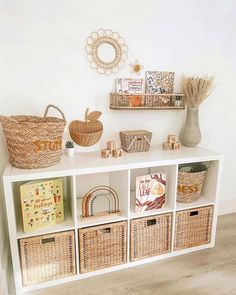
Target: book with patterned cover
(42, 203)
(150, 192)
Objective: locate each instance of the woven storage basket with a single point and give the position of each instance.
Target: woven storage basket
(150, 236)
(103, 246)
(135, 141)
(34, 142)
(193, 227)
(86, 133)
(190, 184)
(47, 257)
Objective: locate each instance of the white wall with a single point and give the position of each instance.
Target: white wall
(43, 60)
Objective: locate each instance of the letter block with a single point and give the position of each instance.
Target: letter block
(117, 153)
(112, 145)
(105, 153)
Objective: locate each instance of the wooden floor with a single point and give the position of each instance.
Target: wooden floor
(209, 272)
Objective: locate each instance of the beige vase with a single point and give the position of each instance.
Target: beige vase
(190, 134)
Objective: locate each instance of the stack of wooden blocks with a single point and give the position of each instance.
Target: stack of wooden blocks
(112, 150)
(171, 143)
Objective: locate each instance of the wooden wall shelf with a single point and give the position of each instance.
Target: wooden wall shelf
(146, 101)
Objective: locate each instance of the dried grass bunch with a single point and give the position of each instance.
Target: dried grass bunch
(196, 90)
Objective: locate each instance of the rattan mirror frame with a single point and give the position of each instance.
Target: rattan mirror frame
(95, 40)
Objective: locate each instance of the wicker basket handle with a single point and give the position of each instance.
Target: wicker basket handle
(55, 107)
(7, 119)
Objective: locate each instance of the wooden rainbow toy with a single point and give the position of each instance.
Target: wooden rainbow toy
(91, 196)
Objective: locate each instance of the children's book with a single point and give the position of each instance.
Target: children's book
(150, 191)
(41, 203)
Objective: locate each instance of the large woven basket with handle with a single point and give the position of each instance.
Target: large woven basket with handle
(34, 142)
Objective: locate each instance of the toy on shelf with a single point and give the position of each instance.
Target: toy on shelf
(112, 150)
(97, 193)
(42, 203)
(171, 143)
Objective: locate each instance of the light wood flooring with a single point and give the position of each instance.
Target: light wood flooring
(209, 272)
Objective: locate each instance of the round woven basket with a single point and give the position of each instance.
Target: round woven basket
(86, 133)
(190, 183)
(34, 142)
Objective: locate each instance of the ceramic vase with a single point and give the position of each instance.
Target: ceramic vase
(190, 134)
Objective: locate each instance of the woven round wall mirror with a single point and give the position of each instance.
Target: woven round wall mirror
(106, 51)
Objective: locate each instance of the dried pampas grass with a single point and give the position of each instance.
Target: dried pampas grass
(196, 90)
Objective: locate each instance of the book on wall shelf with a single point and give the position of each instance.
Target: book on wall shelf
(42, 203)
(150, 192)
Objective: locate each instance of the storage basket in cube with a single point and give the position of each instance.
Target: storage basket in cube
(103, 246)
(47, 257)
(136, 140)
(150, 236)
(193, 227)
(190, 183)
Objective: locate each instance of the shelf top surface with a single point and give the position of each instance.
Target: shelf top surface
(91, 162)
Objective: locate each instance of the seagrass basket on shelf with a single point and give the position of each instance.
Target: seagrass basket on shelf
(190, 182)
(47, 257)
(193, 227)
(150, 236)
(102, 246)
(135, 140)
(88, 132)
(32, 141)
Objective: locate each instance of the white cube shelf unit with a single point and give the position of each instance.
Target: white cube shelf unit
(87, 170)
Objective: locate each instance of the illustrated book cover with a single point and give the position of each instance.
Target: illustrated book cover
(150, 192)
(41, 203)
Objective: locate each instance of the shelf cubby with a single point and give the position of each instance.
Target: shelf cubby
(170, 172)
(113, 179)
(68, 222)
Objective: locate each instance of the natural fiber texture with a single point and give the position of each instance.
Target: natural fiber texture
(196, 90)
(193, 227)
(48, 257)
(135, 141)
(103, 246)
(150, 236)
(190, 186)
(34, 142)
(88, 132)
(146, 101)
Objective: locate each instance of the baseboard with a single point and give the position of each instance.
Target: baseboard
(227, 206)
(3, 283)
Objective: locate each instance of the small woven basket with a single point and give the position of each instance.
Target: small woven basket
(193, 227)
(48, 257)
(135, 141)
(88, 132)
(190, 183)
(34, 142)
(103, 246)
(150, 236)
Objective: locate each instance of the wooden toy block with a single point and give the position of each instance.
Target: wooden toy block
(112, 145)
(167, 146)
(117, 153)
(176, 145)
(105, 153)
(171, 138)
